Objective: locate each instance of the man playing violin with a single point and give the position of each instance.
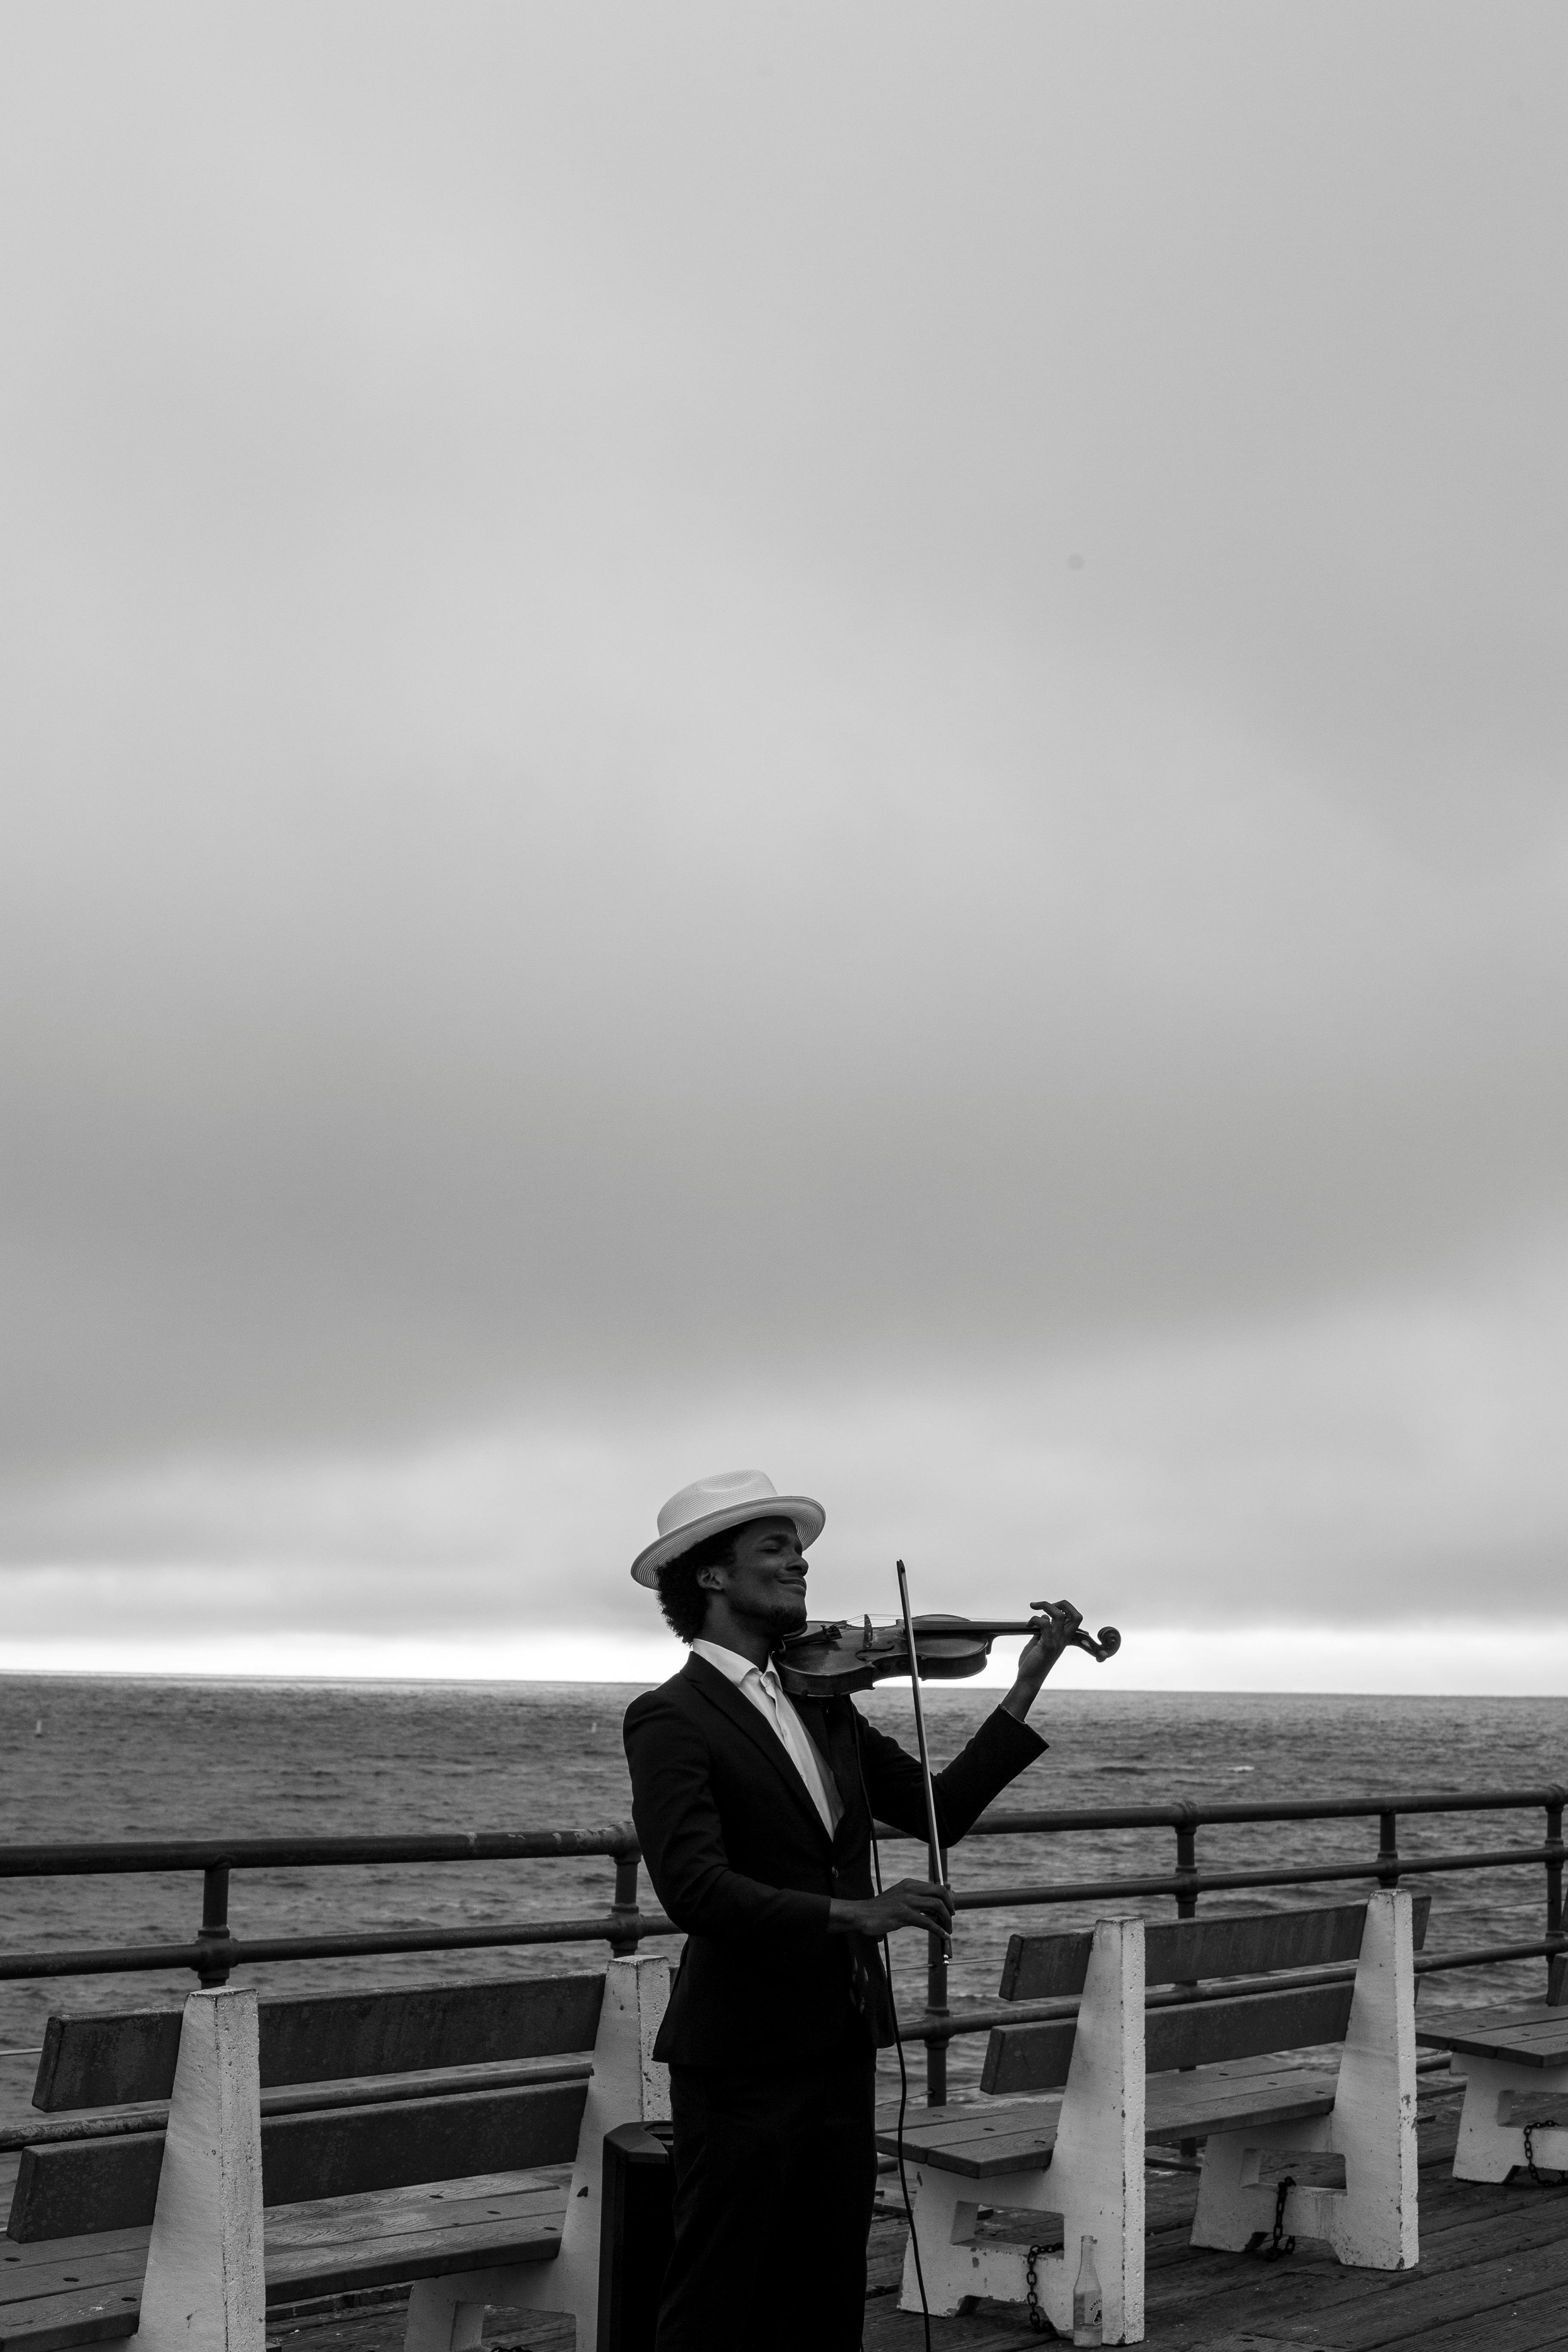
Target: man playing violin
(755, 1814)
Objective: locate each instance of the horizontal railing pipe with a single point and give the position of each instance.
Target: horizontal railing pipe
(75, 1859)
(78, 1860)
(1491, 1956)
(1093, 1890)
(1188, 1814)
(1185, 1815)
(608, 1927)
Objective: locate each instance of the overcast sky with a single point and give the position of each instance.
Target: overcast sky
(815, 737)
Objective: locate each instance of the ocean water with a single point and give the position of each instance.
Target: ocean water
(102, 1758)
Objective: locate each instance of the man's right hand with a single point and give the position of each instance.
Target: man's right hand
(912, 1903)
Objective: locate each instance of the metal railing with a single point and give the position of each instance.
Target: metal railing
(216, 1950)
(938, 2025)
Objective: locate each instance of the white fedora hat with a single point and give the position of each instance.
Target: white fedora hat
(725, 1500)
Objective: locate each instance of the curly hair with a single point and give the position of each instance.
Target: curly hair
(683, 1600)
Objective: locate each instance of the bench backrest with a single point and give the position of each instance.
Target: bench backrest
(1021, 2058)
(437, 2132)
(129, 2056)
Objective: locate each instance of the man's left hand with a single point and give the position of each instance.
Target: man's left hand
(1055, 1627)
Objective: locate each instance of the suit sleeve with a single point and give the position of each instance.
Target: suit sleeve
(999, 1751)
(682, 1839)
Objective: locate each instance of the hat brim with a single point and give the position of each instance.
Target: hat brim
(809, 1517)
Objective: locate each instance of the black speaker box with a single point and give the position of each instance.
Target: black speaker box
(636, 2234)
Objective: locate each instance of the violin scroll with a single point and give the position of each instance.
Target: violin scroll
(1106, 1647)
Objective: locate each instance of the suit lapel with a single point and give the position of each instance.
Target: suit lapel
(722, 1693)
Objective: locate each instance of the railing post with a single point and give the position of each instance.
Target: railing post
(1557, 1962)
(624, 1909)
(1188, 1904)
(212, 1968)
(1388, 1849)
(1188, 1863)
(936, 2003)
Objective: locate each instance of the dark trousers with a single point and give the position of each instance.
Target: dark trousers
(774, 2172)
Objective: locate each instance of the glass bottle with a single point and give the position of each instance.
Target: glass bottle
(1087, 2327)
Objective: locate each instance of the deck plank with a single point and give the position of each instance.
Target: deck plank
(1535, 2322)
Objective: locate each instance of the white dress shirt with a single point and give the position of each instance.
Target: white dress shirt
(761, 1684)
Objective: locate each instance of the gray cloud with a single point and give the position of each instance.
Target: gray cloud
(821, 704)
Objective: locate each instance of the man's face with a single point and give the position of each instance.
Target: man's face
(765, 1581)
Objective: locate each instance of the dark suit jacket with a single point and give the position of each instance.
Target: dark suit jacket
(741, 1861)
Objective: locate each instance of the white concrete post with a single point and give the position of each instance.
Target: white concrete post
(1095, 2180)
(1373, 2221)
(1376, 2224)
(1096, 2172)
(206, 2288)
(629, 2085)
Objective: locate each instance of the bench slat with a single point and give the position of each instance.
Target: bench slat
(1188, 2106)
(293, 2229)
(1524, 2037)
(388, 2262)
(99, 2311)
(1543, 2110)
(81, 2316)
(19, 2263)
(92, 2273)
(1182, 1951)
(1022, 2058)
(1179, 2106)
(984, 2159)
(1248, 2027)
(70, 2191)
(129, 2056)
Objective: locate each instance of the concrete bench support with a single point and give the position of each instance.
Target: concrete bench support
(1372, 2220)
(1095, 2182)
(204, 2288)
(629, 2085)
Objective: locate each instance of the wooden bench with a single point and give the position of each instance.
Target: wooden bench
(1514, 2065)
(989, 2181)
(343, 2118)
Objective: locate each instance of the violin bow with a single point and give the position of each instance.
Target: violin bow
(934, 1838)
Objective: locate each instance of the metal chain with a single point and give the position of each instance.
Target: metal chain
(1037, 2320)
(1539, 2176)
(1278, 2244)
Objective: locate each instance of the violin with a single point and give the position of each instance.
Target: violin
(822, 1660)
